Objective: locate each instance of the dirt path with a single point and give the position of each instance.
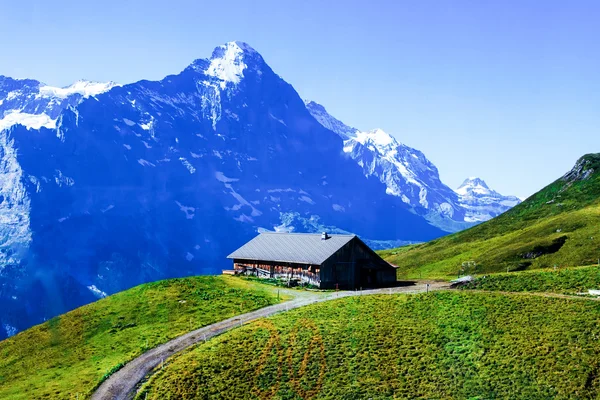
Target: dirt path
(122, 385)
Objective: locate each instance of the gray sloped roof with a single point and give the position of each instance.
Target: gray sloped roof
(301, 248)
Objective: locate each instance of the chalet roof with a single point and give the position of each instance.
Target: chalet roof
(301, 248)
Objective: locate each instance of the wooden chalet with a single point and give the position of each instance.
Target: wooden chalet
(323, 260)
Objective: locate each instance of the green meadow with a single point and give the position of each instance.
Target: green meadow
(69, 356)
(442, 345)
(560, 280)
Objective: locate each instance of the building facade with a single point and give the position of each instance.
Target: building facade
(323, 260)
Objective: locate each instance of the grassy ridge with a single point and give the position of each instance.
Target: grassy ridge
(69, 355)
(441, 345)
(567, 281)
(560, 225)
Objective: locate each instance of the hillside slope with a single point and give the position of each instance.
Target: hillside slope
(68, 356)
(559, 225)
(441, 345)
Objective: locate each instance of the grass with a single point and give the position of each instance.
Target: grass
(566, 281)
(69, 356)
(558, 226)
(443, 345)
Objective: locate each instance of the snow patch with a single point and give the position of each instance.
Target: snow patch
(288, 190)
(277, 119)
(61, 179)
(147, 126)
(189, 211)
(222, 178)
(30, 121)
(229, 66)
(306, 199)
(145, 163)
(377, 137)
(241, 200)
(187, 164)
(84, 88)
(338, 208)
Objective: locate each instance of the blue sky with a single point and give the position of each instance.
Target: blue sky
(505, 90)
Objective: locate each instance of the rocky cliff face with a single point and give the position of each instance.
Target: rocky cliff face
(409, 175)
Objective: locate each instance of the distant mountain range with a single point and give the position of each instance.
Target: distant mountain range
(482, 203)
(408, 174)
(104, 186)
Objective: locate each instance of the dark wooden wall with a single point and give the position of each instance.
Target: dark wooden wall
(356, 266)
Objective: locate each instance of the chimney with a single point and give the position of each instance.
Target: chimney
(324, 236)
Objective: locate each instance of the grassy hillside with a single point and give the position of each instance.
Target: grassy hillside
(67, 357)
(560, 225)
(566, 281)
(441, 345)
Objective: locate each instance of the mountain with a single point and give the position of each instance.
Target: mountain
(34, 104)
(408, 174)
(556, 227)
(119, 185)
(482, 203)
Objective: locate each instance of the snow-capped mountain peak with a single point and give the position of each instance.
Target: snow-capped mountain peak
(229, 61)
(473, 185)
(82, 87)
(405, 171)
(34, 104)
(408, 174)
(377, 138)
(482, 203)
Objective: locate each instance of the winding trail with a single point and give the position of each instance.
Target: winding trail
(123, 383)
